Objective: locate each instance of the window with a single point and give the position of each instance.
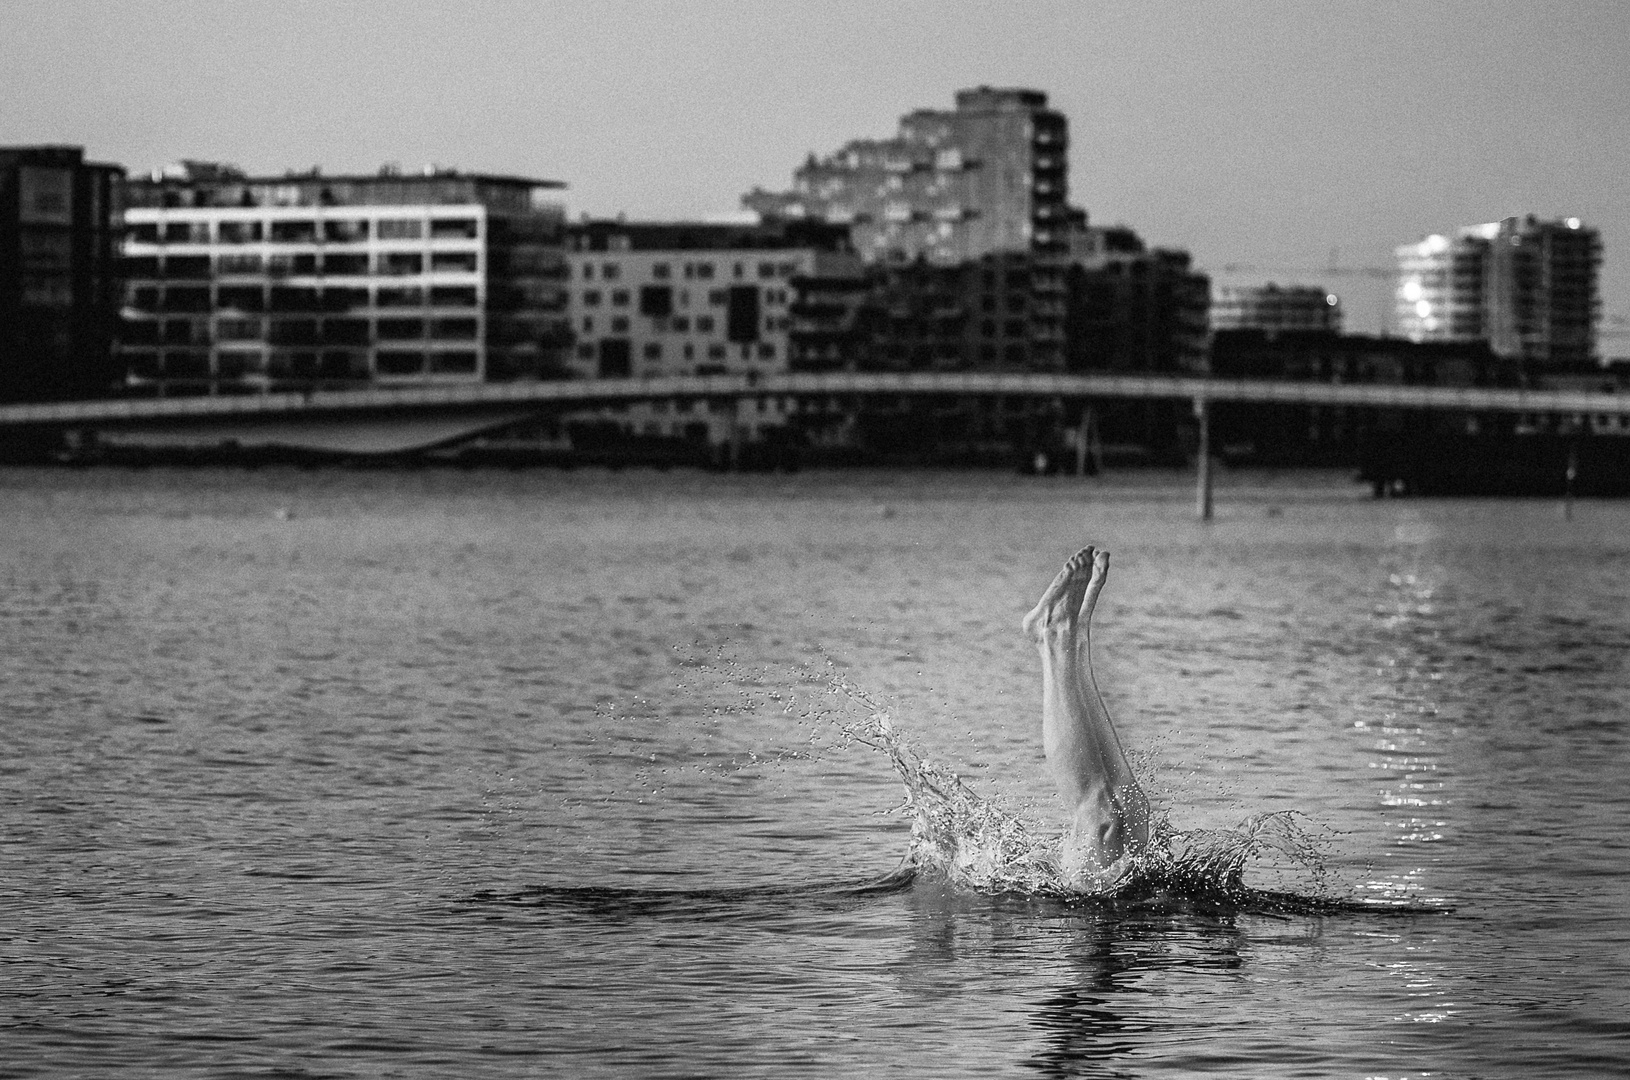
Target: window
(344, 297)
(409, 297)
(789, 269)
(238, 329)
(240, 298)
(591, 297)
(453, 328)
(619, 324)
(453, 296)
(588, 271)
(656, 301)
(345, 331)
(585, 351)
(588, 325)
(659, 271)
(653, 350)
(704, 270)
(718, 296)
(187, 298)
(351, 263)
(715, 352)
(766, 270)
(766, 352)
(679, 325)
(619, 297)
(400, 229)
(145, 232)
(290, 298)
(304, 264)
(401, 262)
(239, 232)
(453, 363)
(187, 266)
(235, 365)
(741, 271)
(704, 324)
(294, 232)
(454, 228)
(345, 232)
(610, 271)
(453, 260)
(690, 351)
(396, 362)
(238, 264)
(400, 329)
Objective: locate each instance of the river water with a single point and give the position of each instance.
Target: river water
(343, 773)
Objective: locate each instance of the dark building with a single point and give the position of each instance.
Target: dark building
(1130, 309)
(1343, 434)
(59, 293)
(240, 284)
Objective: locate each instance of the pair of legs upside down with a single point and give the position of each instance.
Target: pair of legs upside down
(1109, 811)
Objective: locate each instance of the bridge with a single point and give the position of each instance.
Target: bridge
(393, 419)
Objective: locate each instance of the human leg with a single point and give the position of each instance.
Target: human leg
(1109, 813)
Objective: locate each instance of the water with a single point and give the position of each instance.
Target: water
(437, 774)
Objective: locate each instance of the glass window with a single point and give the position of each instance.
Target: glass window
(453, 296)
(454, 228)
(397, 362)
(409, 297)
(294, 232)
(401, 262)
(659, 270)
(453, 363)
(453, 260)
(400, 329)
(400, 229)
(619, 297)
(610, 271)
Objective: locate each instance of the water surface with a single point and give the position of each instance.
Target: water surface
(354, 773)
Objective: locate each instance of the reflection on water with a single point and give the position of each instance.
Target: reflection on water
(504, 774)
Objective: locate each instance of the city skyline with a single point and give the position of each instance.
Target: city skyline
(1251, 134)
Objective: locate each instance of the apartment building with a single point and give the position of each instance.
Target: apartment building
(1276, 309)
(649, 299)
(1527, 287)
(59, 291)
(237, 284)
(988, 177)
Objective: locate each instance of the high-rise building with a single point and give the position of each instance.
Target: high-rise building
(1525, 286)
(59, 293)
(238, 284)
(988, 177)
(1276, 309)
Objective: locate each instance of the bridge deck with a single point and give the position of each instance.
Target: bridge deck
(923, 384)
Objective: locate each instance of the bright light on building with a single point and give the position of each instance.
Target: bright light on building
(1422, 308)
(1435, 244)
(1573, 223)
(1330, 298)
(1413, 290)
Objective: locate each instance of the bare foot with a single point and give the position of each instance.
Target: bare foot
(1056, 611)
(1100, 575)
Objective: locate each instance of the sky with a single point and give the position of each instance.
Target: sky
(1272, 140)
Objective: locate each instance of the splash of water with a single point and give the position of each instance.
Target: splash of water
(977, 844)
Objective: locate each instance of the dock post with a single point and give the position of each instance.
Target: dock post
(1202, 495)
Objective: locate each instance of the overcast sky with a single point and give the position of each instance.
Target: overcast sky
(1273, 135)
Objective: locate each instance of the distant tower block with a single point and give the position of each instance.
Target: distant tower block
(988, 177)
(1275, 309)
(1527, 287)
